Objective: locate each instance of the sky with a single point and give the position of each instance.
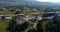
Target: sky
(49, 0)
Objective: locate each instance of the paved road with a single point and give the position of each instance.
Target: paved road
(10, 16)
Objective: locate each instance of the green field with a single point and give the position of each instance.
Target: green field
(6, 12)
(3, 26)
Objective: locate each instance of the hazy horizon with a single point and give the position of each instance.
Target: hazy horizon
(54, 1)
(48, 0)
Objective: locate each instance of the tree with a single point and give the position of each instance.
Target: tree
(12, 25)
(22, 27)
(26, 11)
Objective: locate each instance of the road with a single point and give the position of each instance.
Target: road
(39, 18)
(27, 18)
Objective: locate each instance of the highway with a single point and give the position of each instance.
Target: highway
(26, 17)
(8, 17)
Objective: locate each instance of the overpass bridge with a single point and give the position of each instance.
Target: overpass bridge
(26, 16)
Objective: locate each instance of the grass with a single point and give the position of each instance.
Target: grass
(6, 12)
(3, 26)
(44, 25)
(4, 23)
(29, 27)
